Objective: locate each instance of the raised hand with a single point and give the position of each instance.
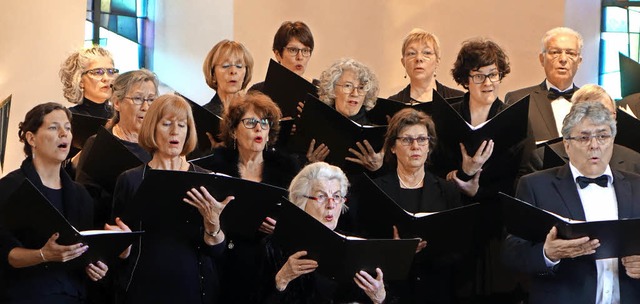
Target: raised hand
(372, 287)
(471, 164)
(316, 154)
(366, 157)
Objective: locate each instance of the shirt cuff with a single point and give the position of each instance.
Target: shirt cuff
(548, 262)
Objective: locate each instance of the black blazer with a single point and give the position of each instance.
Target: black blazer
(446, 92)
(541, 117)
(39, 282)
(573, 280)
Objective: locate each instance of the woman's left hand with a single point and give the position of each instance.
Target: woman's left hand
(208, 207)
(367, 157)
(96, 271)
(373, 287)
(120, 226)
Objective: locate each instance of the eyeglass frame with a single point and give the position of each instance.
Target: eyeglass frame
(403, 140)
(141, 100)
(256, 121)
(294, 51)
(338, 199)
(362, 89)
(485, 77)
(110, 72)
(552, 52)
(226, 66)
(585, 140)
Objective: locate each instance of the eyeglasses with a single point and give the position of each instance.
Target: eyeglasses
(348, 88)
(139, 100)
(425, 53)
(585, 140)
(408, 140)
(480, 78)
(555, 53)
(322, 198)
(251, 123)
(293, 51)
(100, 72)
(227, 65)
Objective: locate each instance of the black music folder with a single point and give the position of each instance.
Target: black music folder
(5, 108)
(389, 107)
(507, 129)
(29, 210)
(206, 122)
(83, 127)
(161, 205)
(447, 232)
(629, 75)
(552, 155)
(339, 257)
(628, 130)
(324, 124)
(107, 158)
(532, 223)
(286, 88)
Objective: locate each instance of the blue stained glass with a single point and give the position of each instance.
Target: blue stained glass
(615, 19)
(612, 44)
(123, 7)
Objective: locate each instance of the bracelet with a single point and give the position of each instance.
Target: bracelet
(42, 256)
(212, 234)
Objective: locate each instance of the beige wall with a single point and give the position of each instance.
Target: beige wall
(372, 32)
(35, 37)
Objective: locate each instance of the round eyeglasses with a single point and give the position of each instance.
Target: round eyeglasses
(348, 88)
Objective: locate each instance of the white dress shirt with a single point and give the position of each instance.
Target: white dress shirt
(560, 107)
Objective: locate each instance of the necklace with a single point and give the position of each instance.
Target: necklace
(405, 186)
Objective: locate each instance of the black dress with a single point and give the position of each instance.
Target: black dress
(430, 280)
(88, 107)
(166, 267)
(446, 92)
(242, 255)
(46, 282)
(215, 106)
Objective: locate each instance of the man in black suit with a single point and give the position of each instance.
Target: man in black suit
(562, 271)
(550, 100)
(623, 158)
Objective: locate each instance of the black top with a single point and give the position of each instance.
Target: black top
(405, 94)
(215, 106)
(361, 117)
(257, 87)
(46, 282)
(430, 281)
(167, 267)
(308, 288)
(88, 107)
(241, 259)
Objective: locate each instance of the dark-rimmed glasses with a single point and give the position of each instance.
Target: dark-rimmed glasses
(408, 140)
(293, 51)
(480, 78)
(251, 123)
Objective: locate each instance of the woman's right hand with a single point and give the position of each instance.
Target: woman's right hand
(471, 165)
(293, 268)
(421, 244)
(317, 154)
(54, 252)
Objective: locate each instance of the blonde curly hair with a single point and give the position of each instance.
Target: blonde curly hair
(72, 68)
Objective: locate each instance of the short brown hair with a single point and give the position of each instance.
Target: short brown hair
(225, 49)
(290, 30)
(477, 53)
(406, 118)
(33, 121)
(261, 104)
(163, 105)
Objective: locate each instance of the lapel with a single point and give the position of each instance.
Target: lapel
(542, 107)
(565, 186)
(623, 191)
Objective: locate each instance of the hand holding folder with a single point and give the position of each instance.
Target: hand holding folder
(532, 223)
(28, 210)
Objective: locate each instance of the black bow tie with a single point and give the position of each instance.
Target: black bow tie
(601, 181)
(555, 94)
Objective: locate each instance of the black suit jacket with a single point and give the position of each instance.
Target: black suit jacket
(572, 280)
(541, 117)
(623, 158)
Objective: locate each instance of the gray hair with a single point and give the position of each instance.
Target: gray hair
(330, 76)
(302, 183)
(561, 31)
(592, 92)
(72, 68)
(591, 110)
(123, 84)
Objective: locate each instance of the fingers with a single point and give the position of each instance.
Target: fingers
(122, 225)
(632, 266)
(97, 271)
(312, 145)
(227, 200)
(463, 150)
(396, 235)
(270, 220)
(73, 251)
(421, 245)
(267, 227)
